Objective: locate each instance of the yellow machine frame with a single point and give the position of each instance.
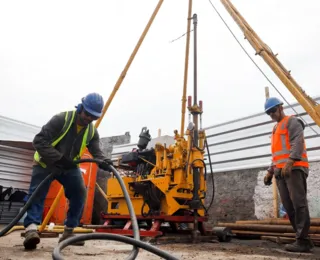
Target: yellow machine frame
(172, 175)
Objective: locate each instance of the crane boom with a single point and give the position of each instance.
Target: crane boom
(310, 106)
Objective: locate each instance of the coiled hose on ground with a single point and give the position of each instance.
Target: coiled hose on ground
(56, 255)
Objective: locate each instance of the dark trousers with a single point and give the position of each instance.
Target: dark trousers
(293, 193)
(74, 189)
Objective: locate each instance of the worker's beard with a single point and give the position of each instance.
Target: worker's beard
(83, 121)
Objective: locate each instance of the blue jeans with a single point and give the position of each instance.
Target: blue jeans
(75, 192)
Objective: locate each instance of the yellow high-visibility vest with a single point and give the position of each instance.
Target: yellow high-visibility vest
(68, 120)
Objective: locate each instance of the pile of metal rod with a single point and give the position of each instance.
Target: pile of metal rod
(275, 229)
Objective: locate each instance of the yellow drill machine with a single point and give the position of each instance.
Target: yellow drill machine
(166, 183)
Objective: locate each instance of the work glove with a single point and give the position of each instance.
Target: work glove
(104, 165)
(286, 170)
(268, 179)
(65, 163)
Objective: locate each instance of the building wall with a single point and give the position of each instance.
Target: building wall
(107, 143)
(241, 195)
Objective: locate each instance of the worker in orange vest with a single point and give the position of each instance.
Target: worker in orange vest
(290, 167)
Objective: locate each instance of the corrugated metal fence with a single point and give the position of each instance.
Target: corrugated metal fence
(245, 143)
(15, 172)
(15, 163)
(15, 167)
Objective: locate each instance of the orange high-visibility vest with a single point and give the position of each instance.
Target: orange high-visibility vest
(280, 146)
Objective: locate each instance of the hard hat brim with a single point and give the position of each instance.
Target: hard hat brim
(92, 112)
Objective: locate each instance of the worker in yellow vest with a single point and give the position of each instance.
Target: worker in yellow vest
(60, 142)
(290, 167)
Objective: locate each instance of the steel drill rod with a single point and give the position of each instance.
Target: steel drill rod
(267, 228)
(262, 233)
(314, 222)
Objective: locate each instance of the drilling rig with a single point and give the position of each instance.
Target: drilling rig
(166, 183)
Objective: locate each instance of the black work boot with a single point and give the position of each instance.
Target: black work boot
(68, 232)
(300, 246)
(311, 244)
(31, 240)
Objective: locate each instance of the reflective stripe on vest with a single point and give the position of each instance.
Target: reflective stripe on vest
(68, 120)
(280, 146)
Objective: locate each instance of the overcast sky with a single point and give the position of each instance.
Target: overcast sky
(52, 53)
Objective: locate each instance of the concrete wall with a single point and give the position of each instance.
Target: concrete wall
(107, 143)
(241, 195)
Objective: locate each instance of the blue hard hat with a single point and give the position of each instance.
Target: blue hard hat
(93, 103)
(272, 102)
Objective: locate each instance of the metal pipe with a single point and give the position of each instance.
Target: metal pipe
(201, 109)
(310, 106)
(103, 226)
(266, 228)
(102, 192)
(186, 65)
(51, 210)
(107, 104)
(196, 183)
(314, 222)
(195, 203)
(261, 233)
(195, 23)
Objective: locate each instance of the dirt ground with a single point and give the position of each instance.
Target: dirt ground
(11, 248)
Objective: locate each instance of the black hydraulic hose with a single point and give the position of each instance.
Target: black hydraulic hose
(27, 205)
(197, 147)
(143, 214)
(212, 179)
(128, 240)
(133, 241)
(205, 174)
(56, 255)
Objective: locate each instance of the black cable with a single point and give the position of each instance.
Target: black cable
(197, 147)
(135, 227)
(205, 174)
(212, 179)
(56, 255)
(124, 239)
(143, 214)
(205, 171)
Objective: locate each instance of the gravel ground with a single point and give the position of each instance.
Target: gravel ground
(11, 248)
